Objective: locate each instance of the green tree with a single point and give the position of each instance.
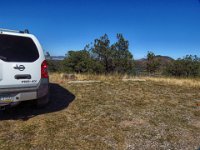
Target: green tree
(54, 65)
(152, 63)
(114, 58)
(102, 52)
(192, 65)
(122, 58)
(80, 62)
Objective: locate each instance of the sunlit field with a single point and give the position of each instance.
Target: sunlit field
(108, 112)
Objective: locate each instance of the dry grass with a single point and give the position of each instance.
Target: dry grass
(111, 114)
(195, 83)
(82, 77)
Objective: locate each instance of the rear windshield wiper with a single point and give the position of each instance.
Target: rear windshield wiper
(3, 58)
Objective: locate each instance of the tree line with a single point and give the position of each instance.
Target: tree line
(102, 57)
(189, 66)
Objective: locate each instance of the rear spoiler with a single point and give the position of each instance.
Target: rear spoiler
(14, 31)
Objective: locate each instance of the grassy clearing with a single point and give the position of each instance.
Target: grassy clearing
(195, 83)
(112, 114)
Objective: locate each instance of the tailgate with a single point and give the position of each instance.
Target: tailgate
(19, 74)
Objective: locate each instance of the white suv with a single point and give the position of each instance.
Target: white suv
(23, 69)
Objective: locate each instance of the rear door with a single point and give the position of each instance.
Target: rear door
(19, 62)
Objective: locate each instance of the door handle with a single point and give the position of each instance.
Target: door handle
(22, 76)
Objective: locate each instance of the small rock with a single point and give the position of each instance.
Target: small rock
(134, 80)
(68, 76)
(197, 103)
(89, 81)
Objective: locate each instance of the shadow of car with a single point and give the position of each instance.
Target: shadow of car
(60, 98)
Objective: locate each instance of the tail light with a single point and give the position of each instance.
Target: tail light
(44, 69)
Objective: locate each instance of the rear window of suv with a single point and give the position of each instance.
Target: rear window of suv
(17, 49)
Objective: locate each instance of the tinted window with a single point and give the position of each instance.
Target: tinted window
(17, 49)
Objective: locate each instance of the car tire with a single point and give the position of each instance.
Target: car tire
(42, 102)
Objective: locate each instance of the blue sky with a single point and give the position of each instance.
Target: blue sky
(166, 27)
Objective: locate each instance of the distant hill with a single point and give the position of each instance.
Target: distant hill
(141, 63)
(164, 59)
(55, 57)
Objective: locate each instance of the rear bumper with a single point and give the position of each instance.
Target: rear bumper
(27, 93)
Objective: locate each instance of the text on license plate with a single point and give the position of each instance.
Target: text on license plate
(6, 99)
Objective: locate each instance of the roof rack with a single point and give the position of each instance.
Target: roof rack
(14, 31)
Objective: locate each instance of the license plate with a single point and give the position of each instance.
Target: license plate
(6, 99)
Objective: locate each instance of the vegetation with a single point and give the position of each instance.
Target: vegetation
(111, 114)
(114, 58)
(102, 57)
(55, 65)
(189, 66)
(79, 61)
(152, 63)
